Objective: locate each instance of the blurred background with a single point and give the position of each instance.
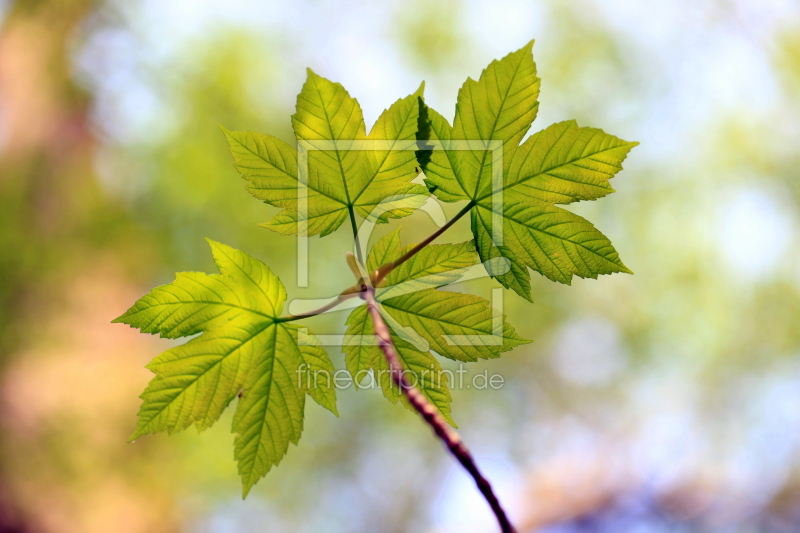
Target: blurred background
(664, 401)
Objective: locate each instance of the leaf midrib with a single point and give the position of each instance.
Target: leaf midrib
(205, 302)
(266, 407)
(296, 178)
(494, 125)
(387, 303)
(561, 239)
(217, 363)
(543, 172)
(336, 144)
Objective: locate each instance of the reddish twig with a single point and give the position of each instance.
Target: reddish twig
(430, 413)
(384, 270)
(350, 292)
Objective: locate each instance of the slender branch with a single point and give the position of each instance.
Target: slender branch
(430, 413)
(350, 292)
(384, 270)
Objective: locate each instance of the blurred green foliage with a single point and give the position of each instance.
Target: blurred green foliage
(678, 386)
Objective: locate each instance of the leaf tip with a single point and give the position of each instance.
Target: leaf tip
(633, 144)
(219, 251)
(449, 419)
(213, 244)
(311, 75)
(526, 295)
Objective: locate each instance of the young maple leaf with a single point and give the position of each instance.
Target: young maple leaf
(245, 347)
(348, 171)
(562, 164)
(458, 326)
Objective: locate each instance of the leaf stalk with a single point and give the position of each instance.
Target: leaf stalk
(384, 270)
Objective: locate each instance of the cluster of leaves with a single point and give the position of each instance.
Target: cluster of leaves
(248, 348)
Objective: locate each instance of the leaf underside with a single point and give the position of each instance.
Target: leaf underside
(342, 169)
(562, 164)
(244, 350)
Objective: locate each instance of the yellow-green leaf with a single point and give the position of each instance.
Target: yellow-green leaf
(245, 349)
(340, 170)
(513, 208)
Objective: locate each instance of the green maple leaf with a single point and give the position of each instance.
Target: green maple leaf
(459, 326)
(246, 349)
(353, 173)
(562, 164)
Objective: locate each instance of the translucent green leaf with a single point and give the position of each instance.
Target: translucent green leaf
(384, 250)
(326, 112)
(270, 167)
(462, 327)
(459, 326)
(270, 412)
(435, 265)
(197, 302)
(500, 106)
(440, 166)
(345, 170)
(548, 239)
(562, 164)
(391, 164)
(245, 349)
(316, 374)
